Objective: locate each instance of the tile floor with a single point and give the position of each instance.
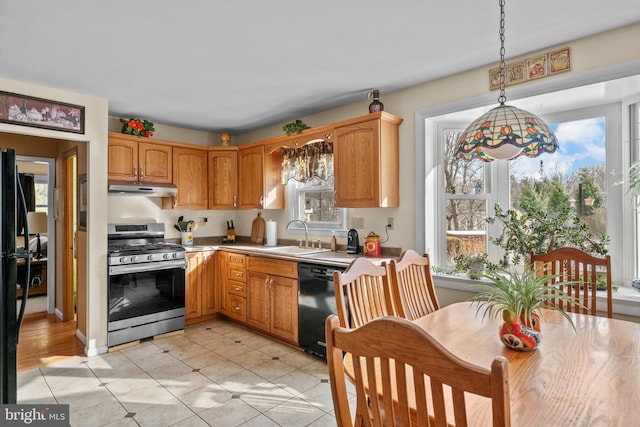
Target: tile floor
(216, 373)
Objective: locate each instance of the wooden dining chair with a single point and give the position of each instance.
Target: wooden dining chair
(362, 293)
(400, 363)
(412, 289)
(584, 271)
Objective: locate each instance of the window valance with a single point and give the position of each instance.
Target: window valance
(308, 162)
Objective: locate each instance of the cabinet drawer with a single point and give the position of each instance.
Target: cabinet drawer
(237, 288)
(237, 307)
(276, 267)
(236, 274)
(236, 260)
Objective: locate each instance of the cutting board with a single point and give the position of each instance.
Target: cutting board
(257, 229)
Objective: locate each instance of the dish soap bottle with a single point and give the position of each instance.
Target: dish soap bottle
(333, 242)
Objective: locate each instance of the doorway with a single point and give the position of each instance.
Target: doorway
(43, 171)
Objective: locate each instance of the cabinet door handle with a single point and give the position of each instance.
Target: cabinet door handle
(262, 201)
(135, 173)
(235, 288)
(141, 174)
(235, 201)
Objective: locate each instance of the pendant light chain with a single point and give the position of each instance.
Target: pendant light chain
(505, 132)
(503, 71)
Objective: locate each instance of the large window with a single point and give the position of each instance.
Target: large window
(582, 176)
(573, 178)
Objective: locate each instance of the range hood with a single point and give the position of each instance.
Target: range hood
(141, 189)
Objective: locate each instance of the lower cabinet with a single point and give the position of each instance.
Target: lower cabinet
(233, 298)
(237, 300)
(258, 286)
(200, 289)
(259, 292)
(272, 297)
(209, 288)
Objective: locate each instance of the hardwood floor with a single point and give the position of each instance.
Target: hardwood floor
(44, 339)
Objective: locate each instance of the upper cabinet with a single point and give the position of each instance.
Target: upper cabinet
(259, 177)
(366, 166)
(223, 178)
(250, 170)
(134, 159)
(190, 176)
(366, 162)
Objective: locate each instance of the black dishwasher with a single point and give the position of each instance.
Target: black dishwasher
(316, 301)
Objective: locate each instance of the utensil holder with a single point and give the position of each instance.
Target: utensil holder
(186, 238)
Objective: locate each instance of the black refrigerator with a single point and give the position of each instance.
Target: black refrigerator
(10, 320)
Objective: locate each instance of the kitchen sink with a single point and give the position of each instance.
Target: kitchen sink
(293, 250)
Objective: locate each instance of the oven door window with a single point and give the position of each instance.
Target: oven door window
(142, 293)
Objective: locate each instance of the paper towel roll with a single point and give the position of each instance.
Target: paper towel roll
(272, 233)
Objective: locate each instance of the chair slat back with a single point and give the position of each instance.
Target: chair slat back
(586, 272)
(397, 366)
(412, 288)
(362, 293)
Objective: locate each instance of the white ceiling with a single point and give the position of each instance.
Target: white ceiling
(236, 66)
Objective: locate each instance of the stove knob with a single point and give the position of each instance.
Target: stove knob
(150, 257)
(134, 258)
(122, 260)
(166, 256)
(175, 255)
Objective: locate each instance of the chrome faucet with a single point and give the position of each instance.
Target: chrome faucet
(306, 230)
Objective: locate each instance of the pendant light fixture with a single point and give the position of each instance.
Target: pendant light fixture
(505, 132)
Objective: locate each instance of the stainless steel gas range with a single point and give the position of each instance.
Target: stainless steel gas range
(146, 283)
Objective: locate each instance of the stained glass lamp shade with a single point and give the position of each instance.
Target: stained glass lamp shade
(506, 132)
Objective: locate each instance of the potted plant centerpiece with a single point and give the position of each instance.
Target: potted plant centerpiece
(517, 298)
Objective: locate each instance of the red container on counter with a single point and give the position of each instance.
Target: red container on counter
(372, 245)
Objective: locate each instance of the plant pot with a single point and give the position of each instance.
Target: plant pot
(515, 336)
(533, 324)
(476, 267)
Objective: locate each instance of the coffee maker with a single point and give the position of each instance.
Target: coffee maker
(353, 243)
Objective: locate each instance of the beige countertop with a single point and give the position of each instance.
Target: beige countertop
(293, 253)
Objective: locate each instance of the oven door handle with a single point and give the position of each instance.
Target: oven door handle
(151, 266)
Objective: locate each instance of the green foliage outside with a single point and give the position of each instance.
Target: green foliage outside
(531, 229)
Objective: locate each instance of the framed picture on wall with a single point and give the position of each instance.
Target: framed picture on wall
(30, 111)
(494, 78)
(537, 67)
(516, 73)
(560, 61)
(82, 202)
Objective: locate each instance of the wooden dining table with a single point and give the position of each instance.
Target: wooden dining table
(586, 377)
